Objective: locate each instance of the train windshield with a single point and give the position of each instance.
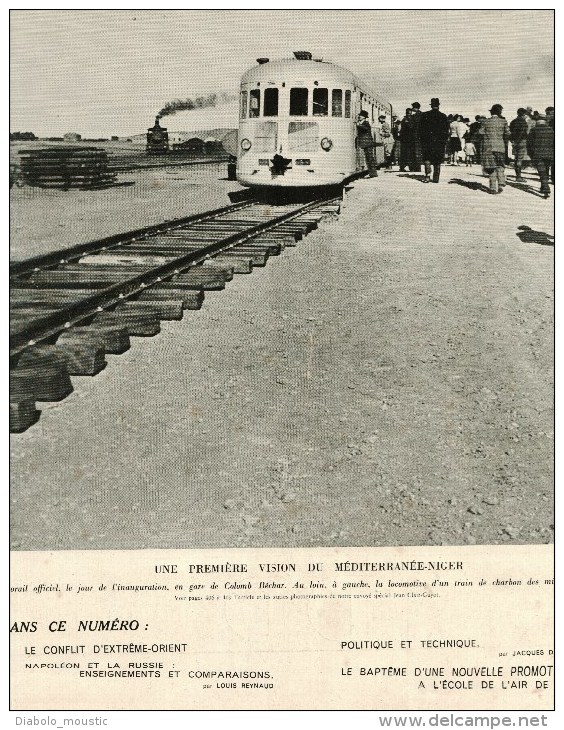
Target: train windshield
(266, 134)
(299, 102)
(320, 102)
(303, 137)
(270, 103)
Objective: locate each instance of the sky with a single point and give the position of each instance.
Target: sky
(106, 72)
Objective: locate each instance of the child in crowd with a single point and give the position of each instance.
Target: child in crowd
(470, 152)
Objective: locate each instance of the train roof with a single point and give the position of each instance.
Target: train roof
(306, 71)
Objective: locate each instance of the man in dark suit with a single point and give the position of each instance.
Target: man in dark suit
(434, 131)
(366, 142)
(540, 146)
(519, 130)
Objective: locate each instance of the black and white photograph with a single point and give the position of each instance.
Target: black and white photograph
(345, 355)
(281, 279)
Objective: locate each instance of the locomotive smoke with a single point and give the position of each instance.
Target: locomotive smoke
(200, 102)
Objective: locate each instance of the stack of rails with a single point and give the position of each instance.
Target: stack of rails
(67, 167)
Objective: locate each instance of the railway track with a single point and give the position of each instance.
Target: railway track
(131, 165)
(69, 309)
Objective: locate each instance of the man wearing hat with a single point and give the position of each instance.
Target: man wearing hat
(387, 139)
(519, 130)
(434, 130)
(495, 136)
(366, 142)
(540, 145)
(417, 152)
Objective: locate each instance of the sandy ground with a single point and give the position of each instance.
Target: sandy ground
(388, 381)
(45, 220)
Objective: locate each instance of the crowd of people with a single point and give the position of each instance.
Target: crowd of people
(432, 139)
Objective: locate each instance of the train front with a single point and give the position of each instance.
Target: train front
(295, 126)
(157, 139)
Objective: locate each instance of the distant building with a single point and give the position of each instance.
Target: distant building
(194, 145)
(176, 137)
(72, 137)
(213, 146)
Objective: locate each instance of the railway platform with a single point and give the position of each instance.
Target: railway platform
(389, 380)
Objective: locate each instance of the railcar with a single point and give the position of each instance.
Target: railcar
(157, 140)
(297, 125)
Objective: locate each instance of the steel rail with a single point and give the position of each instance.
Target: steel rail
(44, 327)
(65, 255)
(122, 166)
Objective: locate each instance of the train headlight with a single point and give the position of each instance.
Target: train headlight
(326, 144)
(246, 144)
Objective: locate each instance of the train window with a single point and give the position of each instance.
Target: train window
(320, 102)
(254, 109)
(243, 108)
(298, 102)
(337, 103)
(347, 103)
(270, 103)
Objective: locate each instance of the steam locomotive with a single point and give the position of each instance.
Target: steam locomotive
(157, 140)
(297, 123)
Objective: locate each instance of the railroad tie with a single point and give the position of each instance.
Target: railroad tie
(270, 248)
(227, 269)
(123, 258)
(190, 299)
(20, 316)
(44, 382)
(138, 323)
(239, 264)
(258, 254)
(166, 309)
(265, 239)
(208, 278)
(63, 279)
(23, 414)
(258, 258)
(73, 276)
(52, 298)
(270, 237)
(115, 338)
(84, 339)
(80, 358)
(188, 281)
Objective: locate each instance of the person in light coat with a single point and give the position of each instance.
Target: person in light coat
(495, 136)
(387, 139)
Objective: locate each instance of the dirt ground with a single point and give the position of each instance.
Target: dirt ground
(387, 382)
(44, 220)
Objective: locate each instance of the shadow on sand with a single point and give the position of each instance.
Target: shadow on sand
(412, 176)
(525, 188)
(529, 235)
(471, 185)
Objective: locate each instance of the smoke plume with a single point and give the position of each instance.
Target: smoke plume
(200, 102)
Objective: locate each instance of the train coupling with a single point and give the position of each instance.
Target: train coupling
(280, 165)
